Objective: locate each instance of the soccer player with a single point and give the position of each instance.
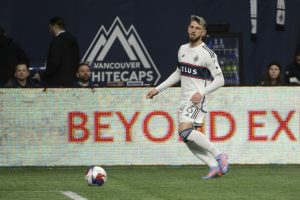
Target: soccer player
(200, 74)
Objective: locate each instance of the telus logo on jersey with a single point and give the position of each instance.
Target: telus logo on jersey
(188, 70)
(119, 56)
(194, 71)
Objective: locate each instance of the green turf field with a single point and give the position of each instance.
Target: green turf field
(257, 182)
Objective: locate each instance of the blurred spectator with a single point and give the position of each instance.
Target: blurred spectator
(292, 72)
(11, 54)
(20, 80)
(63, 57)
(84, 76)
(273, 75)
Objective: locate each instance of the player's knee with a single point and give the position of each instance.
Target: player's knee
(184, 134)
(198, 127)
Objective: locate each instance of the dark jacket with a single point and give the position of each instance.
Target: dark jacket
(13, 83)
(292, 70)
(90, 85)
(62, 61)
(10, 55)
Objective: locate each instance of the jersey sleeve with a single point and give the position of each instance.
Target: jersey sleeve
(179, 55)
(173, 79)
(216, 72)
(213, 65)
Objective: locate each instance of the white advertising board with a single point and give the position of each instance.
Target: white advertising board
(118, 126)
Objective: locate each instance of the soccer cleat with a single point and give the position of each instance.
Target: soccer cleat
(223, 162)
(214, 172)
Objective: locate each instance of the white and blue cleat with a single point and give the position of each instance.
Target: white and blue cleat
(214, 172)
(223, 163)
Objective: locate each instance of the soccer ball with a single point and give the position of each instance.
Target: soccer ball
(95, 175)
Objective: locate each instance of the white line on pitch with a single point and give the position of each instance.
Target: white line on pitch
(73, 195)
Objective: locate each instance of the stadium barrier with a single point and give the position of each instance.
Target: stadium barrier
(118, 126)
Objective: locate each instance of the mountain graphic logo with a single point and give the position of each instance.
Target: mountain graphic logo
(109, 66)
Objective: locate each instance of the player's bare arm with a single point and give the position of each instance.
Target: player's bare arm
(196, 98)
(152, 93)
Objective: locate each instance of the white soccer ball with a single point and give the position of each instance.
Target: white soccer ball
(96, 175)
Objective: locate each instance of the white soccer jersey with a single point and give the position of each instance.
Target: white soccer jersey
(198, 67)
(199, 71)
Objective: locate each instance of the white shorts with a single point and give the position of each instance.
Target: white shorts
(189, 112)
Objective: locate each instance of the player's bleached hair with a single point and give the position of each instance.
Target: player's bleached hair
(199, 20)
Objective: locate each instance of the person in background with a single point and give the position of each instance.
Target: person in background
(63, 57)
(273, 75)
(84, 76)
(292, 72)
(20, 79)
(11, 54)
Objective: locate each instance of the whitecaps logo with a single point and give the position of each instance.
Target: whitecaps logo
(111, 65)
